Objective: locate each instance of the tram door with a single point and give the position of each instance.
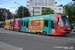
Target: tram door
(24, 26)
(52, 27)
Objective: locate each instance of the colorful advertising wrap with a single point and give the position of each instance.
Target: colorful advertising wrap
(36, 25)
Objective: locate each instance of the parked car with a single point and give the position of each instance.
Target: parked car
(73, 28)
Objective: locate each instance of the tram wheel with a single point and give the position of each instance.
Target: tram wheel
(44, 33)
(39, 33)
(5, 29)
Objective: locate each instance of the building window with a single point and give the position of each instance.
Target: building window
(27, 5)
(35, 3)
(37, 7)
(31, 8)
(31, 3)
(51, 5)
(46, 4)
(32, 0)
(51, 0)
(54, 8)
(35, 0)
(59, 9)
(42, 4)
(46, 23)
(43, 8)
(37, 11)
(38, 3)
(45, 0)
(41, 0)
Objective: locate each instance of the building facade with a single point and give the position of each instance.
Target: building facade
(39, 5)
(5, 14)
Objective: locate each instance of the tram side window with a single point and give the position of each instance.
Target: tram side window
(52, 24)
(11, 23)
(60, 23)
(46, 23)
(4, 23)
(27, 24)
(22, 23)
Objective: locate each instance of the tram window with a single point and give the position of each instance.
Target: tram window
(11, 23)
(24, 23)
(60, 23)
(4, 23)
(27, 24)
(46, 23)
(52, 24)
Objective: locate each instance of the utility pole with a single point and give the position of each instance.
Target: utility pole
(6, 14)
(23, 12)
(22, 9)
(33, 11)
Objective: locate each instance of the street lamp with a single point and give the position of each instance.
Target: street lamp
(22, 9)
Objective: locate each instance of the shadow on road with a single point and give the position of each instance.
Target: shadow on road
(67, 35)
(61, 35)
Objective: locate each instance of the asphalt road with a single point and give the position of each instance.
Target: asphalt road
(29, 41)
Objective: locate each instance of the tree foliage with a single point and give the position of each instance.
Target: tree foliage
(47, 11)
(22, 12)
(70, 11)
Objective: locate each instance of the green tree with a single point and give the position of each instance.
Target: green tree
(47, 11)
(70, 11)
(22, 11)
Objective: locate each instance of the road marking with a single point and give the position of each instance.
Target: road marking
(23, 34)
(28, 34)
(71, 39)
(20, 48)
(4, 32)
(72, 32)
(5, 46)
(8, 32)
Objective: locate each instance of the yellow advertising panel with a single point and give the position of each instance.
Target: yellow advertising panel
(36, 25)
(11, 24)
(7, 24)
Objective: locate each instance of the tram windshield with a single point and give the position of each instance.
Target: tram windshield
(66, 22)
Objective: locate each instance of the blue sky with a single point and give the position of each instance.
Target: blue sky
(9, 4)
(64, 2)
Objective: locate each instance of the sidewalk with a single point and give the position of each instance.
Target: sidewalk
(4, 46)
